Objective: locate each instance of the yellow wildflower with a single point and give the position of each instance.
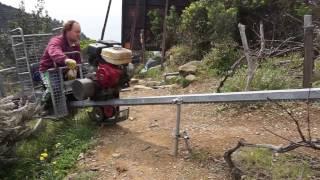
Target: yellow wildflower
(45, 155)
(41, 158)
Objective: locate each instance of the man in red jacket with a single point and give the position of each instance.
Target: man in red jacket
(58, 54)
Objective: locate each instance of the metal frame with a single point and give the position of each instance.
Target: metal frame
(178, 100)
(251, 96)
(59, 91)
(22, 62)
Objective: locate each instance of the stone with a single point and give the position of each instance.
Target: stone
(138, 87)
(116, 155)
(171, 78)
(155, 67)
(194, 63)
(151, 63)
(186, 69)
(132, 118)
(191, 77)
(80, 157)
(152, 83)
(134, 81)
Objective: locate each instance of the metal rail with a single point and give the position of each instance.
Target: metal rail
(178, 100)
(251, 96)
(11, 69)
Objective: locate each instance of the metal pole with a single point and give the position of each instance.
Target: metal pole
(308, 49)
(106, 20)
(177, 132)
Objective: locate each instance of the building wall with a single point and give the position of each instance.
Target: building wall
(134, 18)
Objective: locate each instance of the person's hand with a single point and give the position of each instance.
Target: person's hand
(71, 64)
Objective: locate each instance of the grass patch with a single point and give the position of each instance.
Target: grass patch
(269, 76)
(262, 163)
(61, 141)
(152, 73)
(200, 155)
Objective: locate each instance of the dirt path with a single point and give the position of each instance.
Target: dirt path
(141, 147)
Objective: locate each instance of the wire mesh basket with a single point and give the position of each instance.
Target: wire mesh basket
(27, 50)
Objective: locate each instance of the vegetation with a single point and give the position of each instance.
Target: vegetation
(222, 56)
(262, 163)
(52, 153)
(182, 54)
(269, 76)
(37, 22)
(207, 30)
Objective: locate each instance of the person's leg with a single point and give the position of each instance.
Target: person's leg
(46, 94)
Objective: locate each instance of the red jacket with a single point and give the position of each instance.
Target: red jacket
(55, 52)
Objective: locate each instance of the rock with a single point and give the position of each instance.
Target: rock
(116, 155)
(153, 125)
(169, 78)
(155, 67)
(186, 69)
(152, 83)
(121, 169)
(191, 77)
(140, 81)
(194, 63)
(80, 157)
(151, 63)
(94, 169)
(132, 118)
(134, 81)
(137, 87)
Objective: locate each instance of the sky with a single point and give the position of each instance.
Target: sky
(90, 14)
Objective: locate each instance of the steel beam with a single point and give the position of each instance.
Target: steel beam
(251, 96)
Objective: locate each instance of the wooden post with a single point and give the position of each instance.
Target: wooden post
(308, 52)
(143, 46)
(2, 93)
(251, 63)
(164, 35)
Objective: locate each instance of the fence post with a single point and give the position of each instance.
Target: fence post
(143, 46)
(164, 35)
(2, 93)
(308, 52)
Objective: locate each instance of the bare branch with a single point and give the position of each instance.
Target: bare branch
(292, 117)
(230, 73)
(284, 138)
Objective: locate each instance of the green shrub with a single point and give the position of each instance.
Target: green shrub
(154, 73)
(222, 57)
(205, 22)
(182, 54)
(267, 77)
(183, 82)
